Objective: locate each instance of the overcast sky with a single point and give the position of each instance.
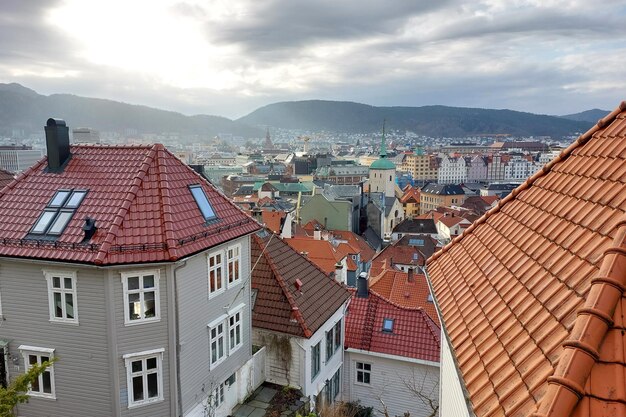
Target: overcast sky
(228, 57)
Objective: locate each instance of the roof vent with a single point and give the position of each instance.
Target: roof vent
(89, 228)
(57, 144)
(298, 284)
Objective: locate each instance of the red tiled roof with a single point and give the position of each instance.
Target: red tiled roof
(398, 254)
(414, 334)
(140, 200)
(451, 221)
(396, 287)
(532, 294)
(5, 178)
(279, 305)
(358, 244)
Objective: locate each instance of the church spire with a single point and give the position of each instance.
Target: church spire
(383, 146)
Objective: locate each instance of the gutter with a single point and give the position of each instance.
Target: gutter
(177, 404)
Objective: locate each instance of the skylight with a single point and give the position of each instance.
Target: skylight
(203, 202)
(58, 213)
(387, 325)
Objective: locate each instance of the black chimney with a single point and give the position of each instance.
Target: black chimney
(57, 144)
(362, 290)
(89, 228)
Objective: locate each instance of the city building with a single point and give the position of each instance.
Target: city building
(440, 195)
(452, 170)
(131, 269)
(85, 135)
(532, 294)
(18, 158)
(298, 315)
(411, 201)
(392, 352)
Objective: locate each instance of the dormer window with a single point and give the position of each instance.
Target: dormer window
(58, 213)
(203, 202)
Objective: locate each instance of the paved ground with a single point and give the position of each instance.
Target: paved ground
(256, 407)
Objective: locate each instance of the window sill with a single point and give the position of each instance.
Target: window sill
(141, 321)
(235, 349)
(218, 363)
(64, 321)
(43, 396)
(216, 293)
(145, 403)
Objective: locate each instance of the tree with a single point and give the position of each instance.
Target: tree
(15, 393)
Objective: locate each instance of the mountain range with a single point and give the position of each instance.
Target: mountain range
(24, 109)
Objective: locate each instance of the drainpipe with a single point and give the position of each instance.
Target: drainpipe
(179, 398)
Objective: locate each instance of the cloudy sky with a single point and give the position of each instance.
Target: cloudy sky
(228, 57)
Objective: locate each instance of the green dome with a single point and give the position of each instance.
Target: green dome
(382, 163)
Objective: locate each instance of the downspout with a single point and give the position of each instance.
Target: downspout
(179, 399)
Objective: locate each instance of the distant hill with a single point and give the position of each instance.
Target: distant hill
(590, 116)
(434, 121)
(23, 108)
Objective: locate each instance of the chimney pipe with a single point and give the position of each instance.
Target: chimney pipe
(89, 228)
(362, 289)
(57, 144)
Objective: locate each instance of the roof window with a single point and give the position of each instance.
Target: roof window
(203, 202)
(387, 325)
(58, 213)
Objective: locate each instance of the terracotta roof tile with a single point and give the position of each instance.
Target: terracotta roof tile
(279, 304)
(140, 200)
(414, 334)
(532, 294)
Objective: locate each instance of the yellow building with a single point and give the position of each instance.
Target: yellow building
(440, 195)
(422, 167)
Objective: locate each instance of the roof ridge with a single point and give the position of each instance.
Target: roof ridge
(580, 352)
(396, 304)
(123, 210)
(292, 302)
(582, 139)
(166, 205)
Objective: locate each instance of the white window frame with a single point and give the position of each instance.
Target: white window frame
(223, 335)
(220, 266)
(318, 345)
(39, 352)
(229, 261)
(144, 356)
(157, 296)
(219, 395)
(49, 275)
(232, 314)
(363, 371)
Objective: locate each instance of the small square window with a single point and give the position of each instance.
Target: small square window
(43, 386)
(388, 325)
(144, 377)
(62, 296)
(141, 297)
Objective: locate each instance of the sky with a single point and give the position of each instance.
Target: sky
(229, 57)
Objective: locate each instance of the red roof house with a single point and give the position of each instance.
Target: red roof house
(532, 294)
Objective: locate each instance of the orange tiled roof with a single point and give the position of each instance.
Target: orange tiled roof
(358, 244)
(532, 294)
(397, 287)
(411, 195)
(272, 219)
(320, 252)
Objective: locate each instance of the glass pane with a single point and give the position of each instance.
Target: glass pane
(220, 347)
(134, 307)
(238, 334)
(136, 366)
(58, 308)
(203, 202)
(56, 282)
(61, 221)
(68, 283)
(137, 388)
(32, 359)
(43, 222)
(359, 376)
(213, 352)
(151, 363)
(69, 306)
(35, 385)
(59, 198)
(75, 199)
(47, 382)
(148, 281)
(367, 367)
(366, 378)
(149, 304)
(133, 283)
(153, 386)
